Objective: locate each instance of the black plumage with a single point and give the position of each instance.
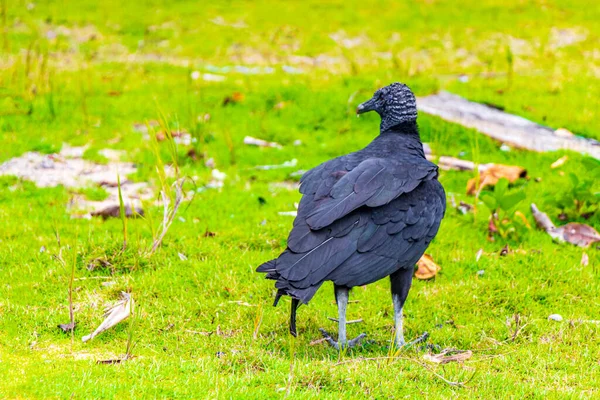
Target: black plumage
(366, 215)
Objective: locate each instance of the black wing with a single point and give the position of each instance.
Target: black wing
(356, 221)
(372, 183)
(396, 236)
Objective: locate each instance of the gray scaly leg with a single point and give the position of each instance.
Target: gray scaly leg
(341, 297)
(398, 320)
(401, 281)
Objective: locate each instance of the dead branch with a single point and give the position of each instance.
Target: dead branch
(504, 127)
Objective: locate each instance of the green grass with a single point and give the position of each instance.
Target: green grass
(105, 67)
(94, 193)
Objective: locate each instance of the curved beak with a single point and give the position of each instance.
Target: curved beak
(365, 107)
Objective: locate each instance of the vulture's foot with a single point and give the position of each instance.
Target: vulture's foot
(344, 345)
(420, 339)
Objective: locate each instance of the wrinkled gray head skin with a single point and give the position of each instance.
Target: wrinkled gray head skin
(395, 104)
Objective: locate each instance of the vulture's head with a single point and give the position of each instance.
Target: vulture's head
(395, 104)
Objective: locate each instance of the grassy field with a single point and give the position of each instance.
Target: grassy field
(84, 73)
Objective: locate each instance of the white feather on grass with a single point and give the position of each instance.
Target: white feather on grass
(113, 315)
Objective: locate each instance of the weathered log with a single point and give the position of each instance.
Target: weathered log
(504, 127)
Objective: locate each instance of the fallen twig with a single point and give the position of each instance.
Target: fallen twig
(444, 358)
(419, 339)
(288, 164)
(394, 358)
(83, 278)
(261, 143)
(354, 321)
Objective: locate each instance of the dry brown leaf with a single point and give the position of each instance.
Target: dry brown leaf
(71, 326)
(578, 234)
(194, 155)
(236, 97)
(464, 208)
(449, 355)
(491, 230)
(492, 174)
(162, 135)
(111, 361)
(115, 212)
(426, 268)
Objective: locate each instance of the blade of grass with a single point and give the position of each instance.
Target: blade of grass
(122, 212)
(130, 345)
(71, 308)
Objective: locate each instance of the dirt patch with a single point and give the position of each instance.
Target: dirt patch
(69, 169)
(566, 37)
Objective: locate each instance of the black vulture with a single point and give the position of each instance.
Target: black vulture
(364, 216)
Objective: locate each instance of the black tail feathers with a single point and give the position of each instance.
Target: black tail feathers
(286, 288)
(269, 266)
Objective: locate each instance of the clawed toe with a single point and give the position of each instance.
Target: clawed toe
(401, 344)
(336, 345)
(329, 339)
(356, 340)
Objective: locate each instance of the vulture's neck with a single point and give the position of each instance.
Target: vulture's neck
(406, 134)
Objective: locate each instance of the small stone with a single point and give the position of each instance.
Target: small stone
(47, 163)
(562, 132)
(218, 175)
(480, 272)
(212, 77)
(210, 163)
(555, 317)
(505, 147)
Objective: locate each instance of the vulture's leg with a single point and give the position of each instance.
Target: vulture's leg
(401, 281)
(341, 298)
(293, 317)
